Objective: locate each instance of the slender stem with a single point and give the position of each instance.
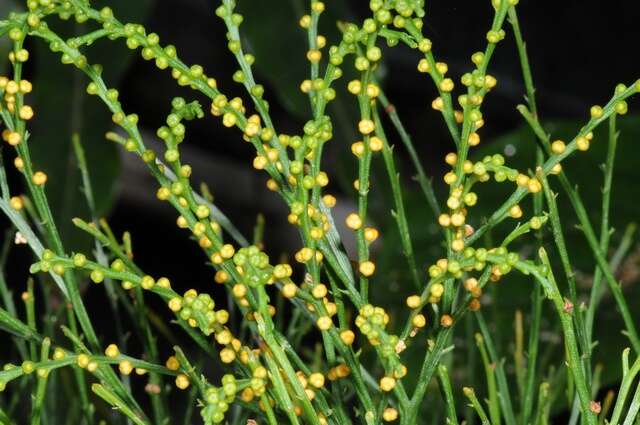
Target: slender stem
(399, 214)
(544, 405)
(445, 386)
(30, 306)
(284, 401)
(283, 362)
(585, 223)
(524, 61)
(504, 395)
(561, 245)
(40, 199)
(605, 231)
(490, 374)
(532, 355)
(574, 362)
(7, 295)
(364, 171)
(115, 401)
(628, 376)
(158, 400)
(501, 212)
(425, 182)
(431, 361)
(477, 406)
(38, 400)
(634, 407)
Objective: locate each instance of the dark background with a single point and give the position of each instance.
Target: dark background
(579, 51)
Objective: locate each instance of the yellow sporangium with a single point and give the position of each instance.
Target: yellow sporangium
(324, 323)
(390, 414)
(182, 382)
(112, 351)
(125, 367)
(366, 126)
(367, 268)
(370, 234)
(558, 147)
(353, 221)
(39, 178)
(16, 203)
(387, 383)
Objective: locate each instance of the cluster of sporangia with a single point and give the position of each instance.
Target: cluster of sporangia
(250, 267)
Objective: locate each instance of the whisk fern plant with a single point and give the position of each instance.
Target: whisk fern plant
(363, 375)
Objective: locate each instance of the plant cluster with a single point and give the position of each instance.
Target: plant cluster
(267, 378)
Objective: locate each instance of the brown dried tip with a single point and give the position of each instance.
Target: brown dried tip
(595, 406)
(468, 230)
(474, 305)
(446, 321)
(251, 422)
(152, 388)
(568, 307)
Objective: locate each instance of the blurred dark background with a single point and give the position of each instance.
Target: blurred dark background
(579, 51)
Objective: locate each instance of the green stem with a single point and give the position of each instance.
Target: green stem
(574, 362)
(583, 217)
(561, 245)
(490, 374)
(283, 362)
(364, 171)
(431, 361)
(41, 388)
(504, 395)
(445, 386)
(40, 200)
(399, 214)
(30, 306)
(544, 405)
(605, 231)
(425, 183)
(628, 376)
(532, 355)
(524, 60)
(634, 407)
(284, 401)
(477, 406)
(158, 401)
(502, 212)
(117, 403)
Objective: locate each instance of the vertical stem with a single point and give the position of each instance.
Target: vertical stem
(556, 227)
(504, 394)
(574, 362)
(532, 355)
(518, 354)
(445, 386)
(490, 374)
(605, 231)
(431, 361)
(42, 205)
(524, 61)
(41, 388)
(477, 406)
(425, 182)
(399, 214)
(29, 303)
